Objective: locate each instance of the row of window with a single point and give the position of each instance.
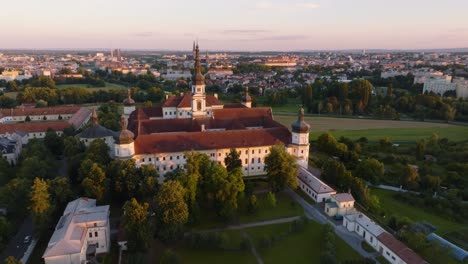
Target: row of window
(91, 234)
(211, 154)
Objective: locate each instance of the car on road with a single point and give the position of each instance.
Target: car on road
(27, 239)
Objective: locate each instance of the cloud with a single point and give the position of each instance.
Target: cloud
(264, 5)
(245, 31)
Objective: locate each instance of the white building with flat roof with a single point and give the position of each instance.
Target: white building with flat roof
(82, 232)
(438, 86)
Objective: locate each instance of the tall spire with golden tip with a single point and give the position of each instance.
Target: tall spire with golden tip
(199, 78)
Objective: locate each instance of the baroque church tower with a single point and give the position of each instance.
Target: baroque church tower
(198, 89)
(300, 140)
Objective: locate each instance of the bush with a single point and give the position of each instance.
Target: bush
(244, 244)
(252, 205)
(265, 242)
(169, 257)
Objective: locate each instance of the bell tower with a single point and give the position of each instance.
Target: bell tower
(198, 89)
(300, 140)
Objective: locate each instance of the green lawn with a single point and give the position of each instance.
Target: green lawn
(377, 129)
(215, 256)
(107, 87)
(285, 207)
(302, 247)
(455, 133)
(394, 207)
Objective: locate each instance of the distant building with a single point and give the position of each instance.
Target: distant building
(438, 86)
(174, 75)
(82, 232)
(461, 85)
(10, 148)
(280, 62)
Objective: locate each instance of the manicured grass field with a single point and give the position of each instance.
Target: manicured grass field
(394, 207)
(215, 256)
(301, 247)
(374, 130)
(107, 87)
(285, 207)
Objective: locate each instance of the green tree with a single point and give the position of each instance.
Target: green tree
(334, 172)
(420, 149)
(60, 190)
(149, 185)
(12, 260)
(98, 151)
(137, 225)
(370, 170)
(172, 210)
(53, 142)
(326, 143)
(232, 160)
(271, 199)
(5, 231)
(281, 168)
(252, 204)
(410, 177)
(40, 205)
(72, 146)
(222, 188)
(95, 183)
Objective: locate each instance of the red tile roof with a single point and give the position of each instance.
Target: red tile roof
(206, 140)
(186, 101)
(34, 127)
(400, 249)
(40, 111)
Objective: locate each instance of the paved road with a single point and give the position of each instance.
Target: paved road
(16, 247)
(352, 239)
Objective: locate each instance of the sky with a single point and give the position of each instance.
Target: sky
(239, 25)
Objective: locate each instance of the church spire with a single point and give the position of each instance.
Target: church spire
(199, 79)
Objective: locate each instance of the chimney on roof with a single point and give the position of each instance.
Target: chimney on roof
(181, 94)
(167, 96)
(203, 127)
(216, 95)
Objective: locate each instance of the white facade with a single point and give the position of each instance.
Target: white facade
(82, 232)
(313, 187)
(461, 85)
(438, 86)
(175, 75)
(364, 227)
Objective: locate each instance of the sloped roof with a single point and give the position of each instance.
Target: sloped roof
(97, 131)
(32, 127)
(313, 182)
(343, 197)
(40, 111)
(206, 140)
(185, 101)
(400, 249)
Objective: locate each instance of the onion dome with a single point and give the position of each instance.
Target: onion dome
(246, 98)
(125, 136)
(199, 78)
(300, 126)
(128, 101)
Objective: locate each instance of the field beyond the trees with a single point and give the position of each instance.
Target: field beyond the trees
(397, 131)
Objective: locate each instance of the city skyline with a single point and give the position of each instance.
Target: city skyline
(260, 25)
